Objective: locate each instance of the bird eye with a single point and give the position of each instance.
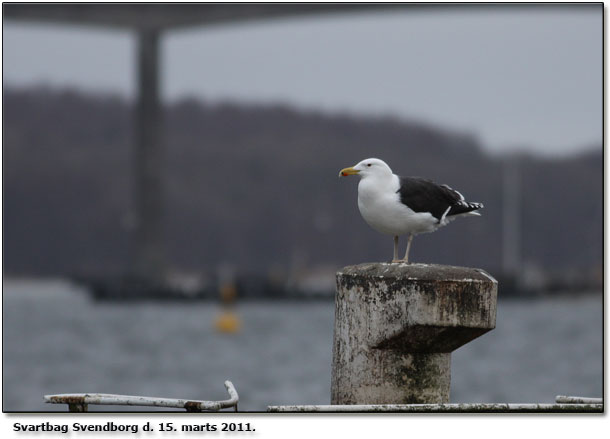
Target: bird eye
(369, 165)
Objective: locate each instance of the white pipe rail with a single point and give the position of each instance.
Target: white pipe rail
(79, 401)
(442, 408)
(561, 399)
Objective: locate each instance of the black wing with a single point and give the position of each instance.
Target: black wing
(422, 195)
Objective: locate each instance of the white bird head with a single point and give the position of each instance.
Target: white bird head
(368, 167)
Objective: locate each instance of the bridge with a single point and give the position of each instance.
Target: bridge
(150, 22)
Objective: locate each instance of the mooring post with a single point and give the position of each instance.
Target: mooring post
(396, 326)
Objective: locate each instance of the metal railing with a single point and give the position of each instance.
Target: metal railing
(563, 404)
(561, 399)
(78, 402)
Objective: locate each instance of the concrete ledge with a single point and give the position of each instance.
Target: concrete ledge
(430, 272)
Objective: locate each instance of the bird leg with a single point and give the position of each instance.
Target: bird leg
(406, 259)
(395, 259)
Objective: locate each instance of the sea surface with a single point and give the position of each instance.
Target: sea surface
(57, 340)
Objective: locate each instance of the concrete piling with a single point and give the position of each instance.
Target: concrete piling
(396, 326)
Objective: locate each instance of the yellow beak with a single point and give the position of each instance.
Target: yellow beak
(347, 171)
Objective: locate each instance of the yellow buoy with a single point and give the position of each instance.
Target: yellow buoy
(228, 322)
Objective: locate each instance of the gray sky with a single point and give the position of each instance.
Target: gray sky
(528, 79)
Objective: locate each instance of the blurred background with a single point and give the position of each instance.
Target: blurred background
(172, 212)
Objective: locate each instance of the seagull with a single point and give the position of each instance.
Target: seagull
(396, 206)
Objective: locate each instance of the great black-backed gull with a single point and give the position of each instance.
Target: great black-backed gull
(397, 206)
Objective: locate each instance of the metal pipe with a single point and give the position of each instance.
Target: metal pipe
(81, 399)
(443, 408)
(562, 399)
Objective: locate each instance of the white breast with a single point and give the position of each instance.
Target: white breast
(380, 206)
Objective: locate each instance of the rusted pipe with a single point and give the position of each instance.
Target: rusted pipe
(562, 399)
(78, 400)
(443, 408)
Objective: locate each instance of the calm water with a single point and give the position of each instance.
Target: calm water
(56, 340)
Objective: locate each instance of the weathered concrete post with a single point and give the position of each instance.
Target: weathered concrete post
(396, 326)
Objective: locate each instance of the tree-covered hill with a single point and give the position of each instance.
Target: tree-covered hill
(257, 187)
